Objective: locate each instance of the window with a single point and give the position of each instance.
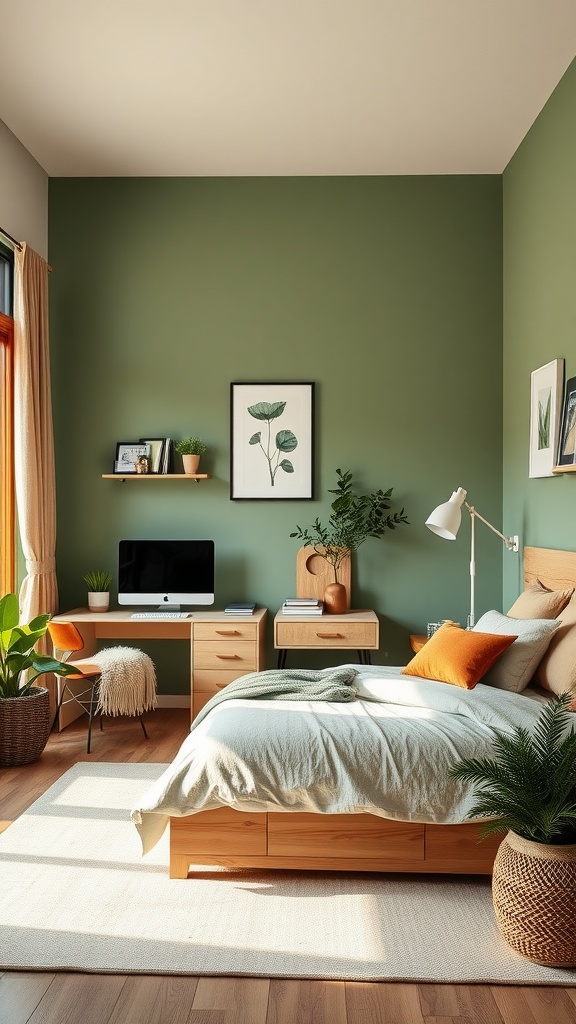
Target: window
(7, 500)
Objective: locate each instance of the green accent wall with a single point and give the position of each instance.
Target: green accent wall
(387, 292)
(539, 314)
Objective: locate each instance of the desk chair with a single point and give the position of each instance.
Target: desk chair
(67, 639)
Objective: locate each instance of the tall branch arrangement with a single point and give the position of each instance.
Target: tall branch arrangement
(354, 518)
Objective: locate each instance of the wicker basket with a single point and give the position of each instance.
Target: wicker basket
(534, 895)
(24, 727)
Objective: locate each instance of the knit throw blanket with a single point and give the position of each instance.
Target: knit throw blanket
(287, 684)
(127, 683)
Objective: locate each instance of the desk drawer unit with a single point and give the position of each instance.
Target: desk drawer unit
(326, 634)
(223, 651)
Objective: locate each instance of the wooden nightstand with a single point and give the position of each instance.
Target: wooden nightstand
(417, 641)
(353, 630)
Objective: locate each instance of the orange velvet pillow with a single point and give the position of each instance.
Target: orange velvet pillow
(458, 656)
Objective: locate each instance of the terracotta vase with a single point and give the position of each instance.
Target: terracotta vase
(190, 463)
(335, 599)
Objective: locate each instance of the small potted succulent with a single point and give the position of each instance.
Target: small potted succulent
(190, 448)
(25, 718)
(98, 582)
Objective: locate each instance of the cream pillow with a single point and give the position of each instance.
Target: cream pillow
(516, 666)
(538, 602)
(557, 670)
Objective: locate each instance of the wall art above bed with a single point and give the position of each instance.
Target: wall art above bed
(546, 384)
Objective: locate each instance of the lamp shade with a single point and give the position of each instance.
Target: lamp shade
(445, 520)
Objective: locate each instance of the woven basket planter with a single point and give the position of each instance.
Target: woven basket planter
(24, 727)
(534, 896)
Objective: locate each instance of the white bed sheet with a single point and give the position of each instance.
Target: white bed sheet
(387, 753)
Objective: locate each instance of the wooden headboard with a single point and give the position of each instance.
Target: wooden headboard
(555, 569)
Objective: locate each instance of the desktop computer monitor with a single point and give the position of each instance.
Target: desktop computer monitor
(166, 573)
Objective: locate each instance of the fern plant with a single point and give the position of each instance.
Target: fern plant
(529, 786)
(354, 518)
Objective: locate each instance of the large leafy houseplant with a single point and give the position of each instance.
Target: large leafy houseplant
(354, 517)
(529, 786)
(20, 663)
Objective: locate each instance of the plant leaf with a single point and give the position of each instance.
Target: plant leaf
(287, 466)
(255, 439)
(266, 410)
(286, 441)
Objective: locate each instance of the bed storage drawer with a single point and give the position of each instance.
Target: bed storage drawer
(233, 831)
(358, 836)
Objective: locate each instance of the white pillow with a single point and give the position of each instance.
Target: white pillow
(516, 666)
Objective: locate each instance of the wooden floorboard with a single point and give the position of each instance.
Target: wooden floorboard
(75, 998)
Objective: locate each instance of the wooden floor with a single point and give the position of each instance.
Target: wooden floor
(72, 998)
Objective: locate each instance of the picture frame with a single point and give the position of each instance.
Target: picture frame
(546, 384)
(271, 440)
(127, 454)
(567, 439)
(156, 452)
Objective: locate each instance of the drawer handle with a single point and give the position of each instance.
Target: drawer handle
(220, 686)
(329, 636)
(227, 632)
(228, 657)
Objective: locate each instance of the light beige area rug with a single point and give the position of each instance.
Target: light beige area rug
(76, 894)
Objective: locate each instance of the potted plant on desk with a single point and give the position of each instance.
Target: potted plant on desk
(354, 518)
(24, 708)
(528, 790)
(98, 582)
(190, 448)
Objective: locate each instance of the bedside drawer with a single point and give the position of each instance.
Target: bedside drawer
(238, 656)
(354, 635)
(226, 631)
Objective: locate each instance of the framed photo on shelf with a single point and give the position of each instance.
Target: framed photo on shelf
(271, 440)
(567, 443)
(156, 452)
(129, 456)
(545, 406)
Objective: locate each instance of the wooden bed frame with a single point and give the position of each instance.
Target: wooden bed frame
(348, 842)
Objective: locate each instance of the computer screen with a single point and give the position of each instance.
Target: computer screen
(166, 573)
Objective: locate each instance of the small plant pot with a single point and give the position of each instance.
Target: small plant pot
(336, 599)
(98, 600)
(190, 463)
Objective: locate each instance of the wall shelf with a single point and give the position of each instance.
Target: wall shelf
(156, 476)
(565, 469)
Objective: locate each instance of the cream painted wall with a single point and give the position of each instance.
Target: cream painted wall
(23, 193)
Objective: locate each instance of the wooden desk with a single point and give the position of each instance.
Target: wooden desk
(353, 630)
(222, 647)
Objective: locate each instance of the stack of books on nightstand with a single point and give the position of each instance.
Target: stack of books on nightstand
(302, 606)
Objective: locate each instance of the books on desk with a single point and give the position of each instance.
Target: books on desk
(240, 608)
(303, 606)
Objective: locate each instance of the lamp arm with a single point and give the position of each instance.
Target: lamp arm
(510, 542)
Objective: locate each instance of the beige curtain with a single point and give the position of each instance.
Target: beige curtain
(33, 435)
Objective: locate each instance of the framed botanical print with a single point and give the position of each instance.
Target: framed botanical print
(567, 442)
(545, 404)
(271, 440)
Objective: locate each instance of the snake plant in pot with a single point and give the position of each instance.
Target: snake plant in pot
(528, 791)
(24, 707)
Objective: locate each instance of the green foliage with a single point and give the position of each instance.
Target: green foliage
(544, 424)
(17, 654)
(190, 446)
(353, 519)
(529, 787)
(98, 580)
(285, 440)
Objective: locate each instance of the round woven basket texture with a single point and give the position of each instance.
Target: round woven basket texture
(24, 727)
(534, 896)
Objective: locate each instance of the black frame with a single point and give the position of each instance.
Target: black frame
(297, 401)
(568, 422)
(151, 441)
(129, 444)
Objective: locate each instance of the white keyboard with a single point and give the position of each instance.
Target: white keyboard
(160, 615)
